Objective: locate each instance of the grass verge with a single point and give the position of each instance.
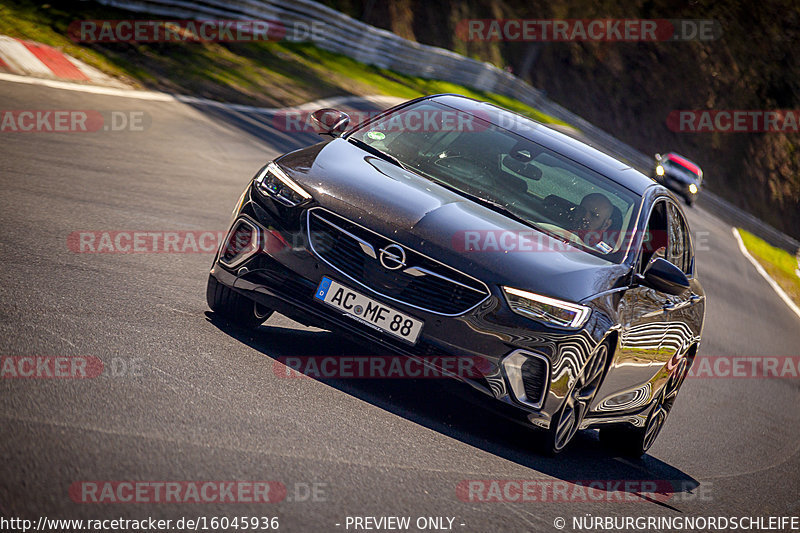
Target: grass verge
(778, 263)
(272, 74)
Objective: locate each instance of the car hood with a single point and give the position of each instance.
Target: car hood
(437, 222)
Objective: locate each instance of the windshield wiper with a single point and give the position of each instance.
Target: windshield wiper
(374, 151)
(500, 208)
(488, 202)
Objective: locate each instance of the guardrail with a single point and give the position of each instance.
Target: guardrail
(336, 32)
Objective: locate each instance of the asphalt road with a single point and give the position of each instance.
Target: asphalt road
(205, 403)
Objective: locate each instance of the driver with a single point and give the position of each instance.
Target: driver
(592, 217)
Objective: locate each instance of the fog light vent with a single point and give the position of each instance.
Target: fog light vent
(528, 375)
(241, 243)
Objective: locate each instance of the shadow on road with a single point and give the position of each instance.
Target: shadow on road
(458, 411)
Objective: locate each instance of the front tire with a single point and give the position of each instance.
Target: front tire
(237, 309)
(567, 420)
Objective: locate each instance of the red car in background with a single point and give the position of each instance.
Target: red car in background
(678, 173)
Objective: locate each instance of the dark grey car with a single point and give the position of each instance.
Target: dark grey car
(484, 234)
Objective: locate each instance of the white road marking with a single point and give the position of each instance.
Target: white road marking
(107, 91)
(378, 100)
(777, 288)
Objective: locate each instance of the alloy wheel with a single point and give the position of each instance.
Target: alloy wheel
(664, 403)
(577, 402)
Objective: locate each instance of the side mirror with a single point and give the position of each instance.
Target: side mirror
(330, 121)
(663, 276)
(658, 157)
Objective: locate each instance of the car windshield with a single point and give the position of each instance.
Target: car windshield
(509, 173)
(684, 165)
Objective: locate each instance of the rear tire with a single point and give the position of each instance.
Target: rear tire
(237, 309)
(634, 442)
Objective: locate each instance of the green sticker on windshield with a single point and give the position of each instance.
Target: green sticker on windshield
(376, 135)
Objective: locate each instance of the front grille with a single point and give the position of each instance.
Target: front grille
(420, 282)
(534, 379)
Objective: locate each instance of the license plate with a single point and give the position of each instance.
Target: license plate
(368, 311)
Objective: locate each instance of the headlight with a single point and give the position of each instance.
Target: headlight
(693, 188)
(660, 170)
(546, 309)
(273, 182)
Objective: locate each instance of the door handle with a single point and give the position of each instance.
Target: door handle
(691, 300)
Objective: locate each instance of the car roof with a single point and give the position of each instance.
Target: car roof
(578, 151)
(681, 159)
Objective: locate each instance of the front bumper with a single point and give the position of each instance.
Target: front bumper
(285, 272)
(678, 185)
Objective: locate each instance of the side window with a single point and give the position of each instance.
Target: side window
(679, 251)
(656, 238)
(688, 254)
